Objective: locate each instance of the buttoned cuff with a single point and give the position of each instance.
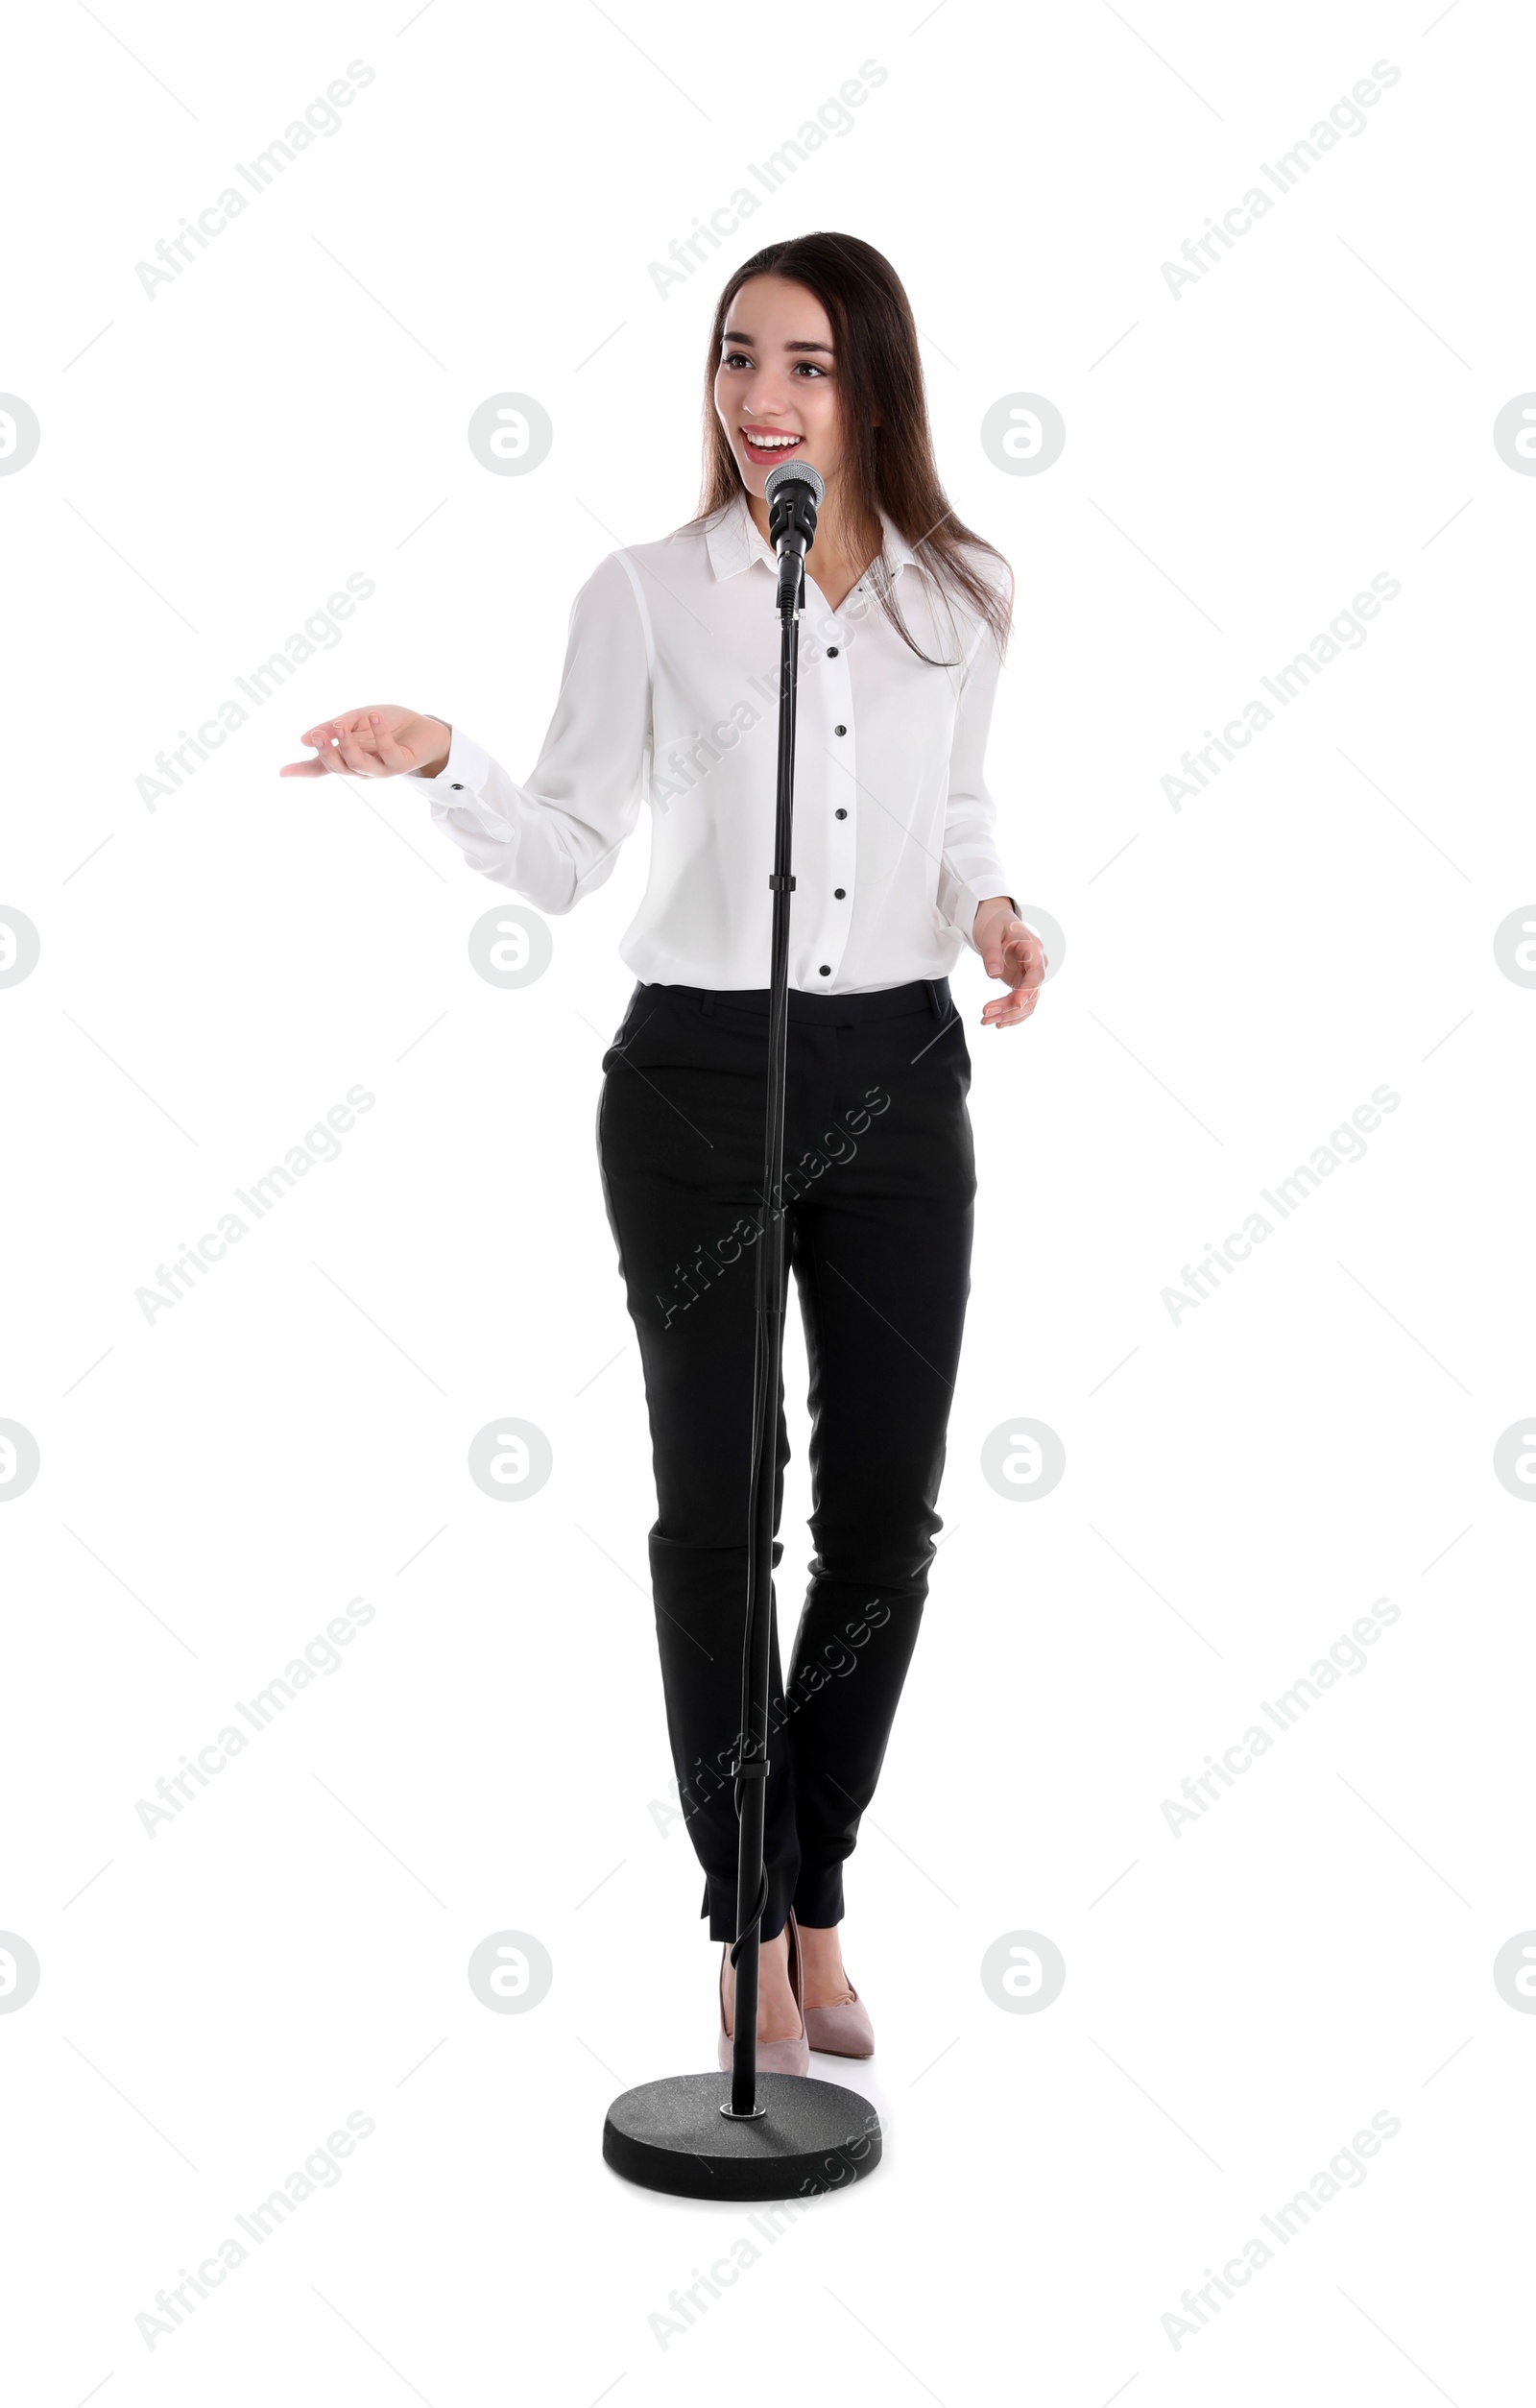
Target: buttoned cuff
(460, 784)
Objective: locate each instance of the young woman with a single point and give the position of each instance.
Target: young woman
(669, 697)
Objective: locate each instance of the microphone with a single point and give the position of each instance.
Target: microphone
(794, 495)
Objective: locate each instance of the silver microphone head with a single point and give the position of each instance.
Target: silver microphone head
(795, 473)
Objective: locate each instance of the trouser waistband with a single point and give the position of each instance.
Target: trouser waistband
(840, 1011)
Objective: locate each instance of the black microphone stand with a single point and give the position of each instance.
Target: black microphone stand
(748, 2135)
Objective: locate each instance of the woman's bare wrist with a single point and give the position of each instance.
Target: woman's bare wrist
(435, 768)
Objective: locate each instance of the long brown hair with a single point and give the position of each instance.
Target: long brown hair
(888, 467)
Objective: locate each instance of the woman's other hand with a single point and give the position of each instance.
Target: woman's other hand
(379, 741)
(1010, 952)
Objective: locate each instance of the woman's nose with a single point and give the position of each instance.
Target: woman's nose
(765, 399)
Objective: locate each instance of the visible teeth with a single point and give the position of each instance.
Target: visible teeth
(772, 442)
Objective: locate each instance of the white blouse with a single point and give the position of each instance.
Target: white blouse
(670, 697)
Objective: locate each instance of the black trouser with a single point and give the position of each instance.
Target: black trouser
(879, 1179)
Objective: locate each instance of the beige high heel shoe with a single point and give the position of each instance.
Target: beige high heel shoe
(773, 2056)
(844, 2031)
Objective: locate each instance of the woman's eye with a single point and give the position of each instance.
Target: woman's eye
(739, 359)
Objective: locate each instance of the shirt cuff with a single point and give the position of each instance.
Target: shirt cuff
(459, 786)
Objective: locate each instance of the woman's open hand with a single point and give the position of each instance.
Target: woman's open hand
(381, 740)
(1011, 952)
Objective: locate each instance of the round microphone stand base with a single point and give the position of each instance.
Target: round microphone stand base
(807, 2137)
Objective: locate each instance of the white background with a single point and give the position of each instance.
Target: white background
(1239, 975)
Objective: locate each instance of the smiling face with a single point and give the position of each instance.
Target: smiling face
(775, 389)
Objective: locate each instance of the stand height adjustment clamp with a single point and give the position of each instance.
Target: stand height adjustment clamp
(754, 1767)
(787, 883)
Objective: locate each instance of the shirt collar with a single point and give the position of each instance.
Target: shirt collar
(735, 542)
